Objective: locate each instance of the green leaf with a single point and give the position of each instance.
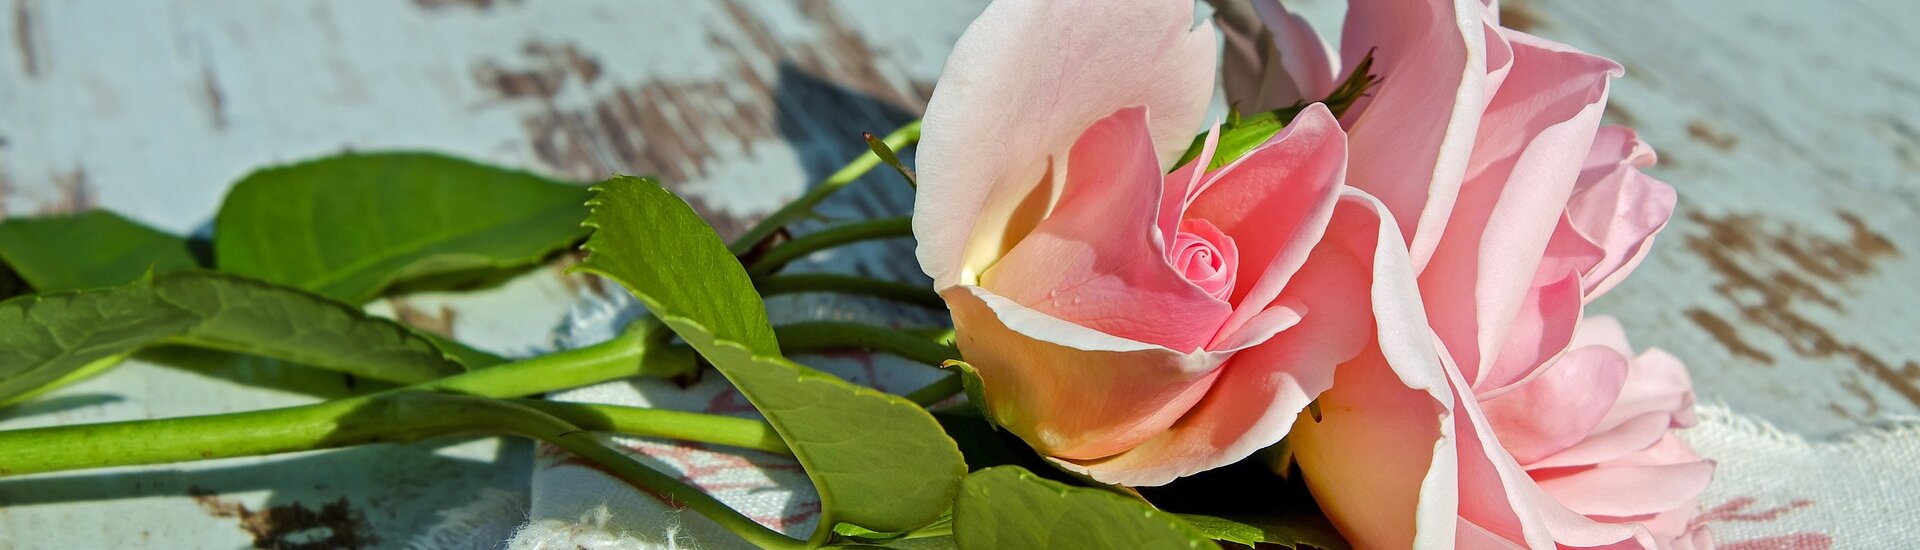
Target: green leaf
(93, 249)
(1291, 531)
(970, 383)
(878, 461)
(1009, 507)
(10, 283)
(46, 336)
(351, 226)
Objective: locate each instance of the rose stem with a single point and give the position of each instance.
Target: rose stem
(918, 295)
(803, 206)
(400, 416)
(938, 391)
(817, 336)
(780, 256)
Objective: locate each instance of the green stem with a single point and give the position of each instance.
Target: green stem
(638, 351)
(785, 253)
(745, 433)
(803, 206)
(938, 391)
(84, 372)
(917, 295)
(332, 424)
(635, 352)
(817, 336)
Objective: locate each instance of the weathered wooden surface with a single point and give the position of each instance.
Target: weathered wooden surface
(1789, 128)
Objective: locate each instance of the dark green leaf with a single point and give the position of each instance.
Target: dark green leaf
(46, 336)
(1009, 507)
(10, 283)
(351, 226)
(878, 461)
(94, 249)
(986, 445)
(1291, 531)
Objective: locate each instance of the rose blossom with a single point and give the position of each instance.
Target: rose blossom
(1518, 209)
(1135, 325)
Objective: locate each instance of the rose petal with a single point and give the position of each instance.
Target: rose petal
(1421, 126)
(1538, 128)
(1097, 261)
(1262, 389)
(1068, 390)
(1501, 497)
(1568, 251)
(1540, 331)
(1618, 210)
(1630, 435)
(1182, 184)
(1628, 490)
(1560, 407)
(1380, 461)
(1310, 65)
(996, 127)
(1275, 203)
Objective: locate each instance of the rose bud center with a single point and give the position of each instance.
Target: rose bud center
(1206, 257)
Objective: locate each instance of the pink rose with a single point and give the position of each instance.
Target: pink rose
(1518, 209)
(1134, 325)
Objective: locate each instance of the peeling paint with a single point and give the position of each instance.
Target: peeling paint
(23, 38)
(1706, 133)
(1770, 271)
(335, 525)
(439, 321)
(73, 193)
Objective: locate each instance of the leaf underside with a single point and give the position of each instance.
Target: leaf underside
(878, 461)
(45, 336)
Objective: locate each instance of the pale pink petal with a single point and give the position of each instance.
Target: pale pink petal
(1628, 490)
(1310, 65)
(1497, 494)
(1602, 330)
(1282, 315)
(1097, 261)
(1417, 127)
(1262, 389)
(1656, 397)
(1275, 203)
(1068, 390)
(1672, 529)
(1206, 257)
(1182, 184)
(1475, 537)
(1656, 383)
(1568, 251)
(1560, 407)
(1017, 91)
(1541, 329)
(1380, 460)
(1608, 443)
(1618, 210)
(1537, 130)
(1614, 146)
